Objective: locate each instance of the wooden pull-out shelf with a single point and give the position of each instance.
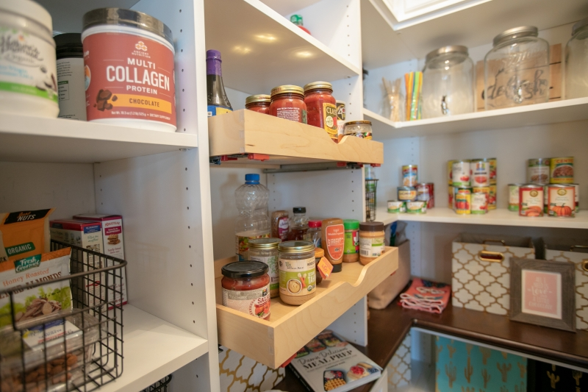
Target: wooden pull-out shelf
(291, 327)
(285, 142)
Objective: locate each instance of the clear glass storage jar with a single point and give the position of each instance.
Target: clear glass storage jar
(266, 251)
(448, 82)
(516, 69)
(576, 72)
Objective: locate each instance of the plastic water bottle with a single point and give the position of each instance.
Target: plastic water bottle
(253, 221)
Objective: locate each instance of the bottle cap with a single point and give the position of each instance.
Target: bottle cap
(296, 19)
(315, 223)
(252, 178)
(371, 226)
(299, 210)
(213, 54)
(350, 224)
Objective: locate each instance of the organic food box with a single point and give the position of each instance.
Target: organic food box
(112, 245)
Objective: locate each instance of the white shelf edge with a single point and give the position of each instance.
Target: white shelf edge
(153, 348)
(499, 217)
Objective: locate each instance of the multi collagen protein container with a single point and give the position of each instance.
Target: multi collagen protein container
(28, 76)
(70, 76)
(129, 69)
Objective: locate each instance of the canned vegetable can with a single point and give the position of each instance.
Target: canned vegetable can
(462, 199)
(561, 201)
(493, 167)
(450, 193)
(409, 175)
(513, 197)
(561, 170)
(531, 200)
(416, 207)
(538, 171)
(431, 202)
(480, 172)
(423, 192)
(395, 207)
(450, 172)
(461, 173)
(406, 193)
(479, 203)
(492, 197)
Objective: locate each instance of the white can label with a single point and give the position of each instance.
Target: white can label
(371, 247)
(27, 64)
(461, 174)
(272, 263)
(480, 173)
(252, 302)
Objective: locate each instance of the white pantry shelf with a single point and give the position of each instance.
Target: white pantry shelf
(538, 114)
(152, 349)
(499, 217)
(261, 49)
(39, 139)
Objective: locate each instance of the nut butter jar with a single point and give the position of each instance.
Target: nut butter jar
(297, 269)
(371, 241)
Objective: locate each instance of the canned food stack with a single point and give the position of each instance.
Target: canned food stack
(413, 197)
(550, 189)
(472, 185)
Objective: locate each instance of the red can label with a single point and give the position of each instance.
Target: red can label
(129, 77)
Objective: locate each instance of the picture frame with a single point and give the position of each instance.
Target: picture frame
(542, 293)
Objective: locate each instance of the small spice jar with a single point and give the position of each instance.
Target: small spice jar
(266, 251)
(245, 286)
(297, 268)
(258, 103)
(322, 107)
(351, 248)
(362, 129)
(288, 102)
(371, 241)
(319, 253)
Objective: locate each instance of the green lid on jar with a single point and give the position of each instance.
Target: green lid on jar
(351, 224)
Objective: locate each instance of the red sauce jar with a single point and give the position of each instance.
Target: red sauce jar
(322, 107)
(246, 288)
(258, 103)
(288, 103)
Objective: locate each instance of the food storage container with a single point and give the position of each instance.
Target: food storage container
(266, 251)
(258, 103)
(297, 267)
(371, 241)
(246, 288)
(448, 82)
(362, 129)
(516, 69)
(288, 103)
(321, 107)
(576, 71)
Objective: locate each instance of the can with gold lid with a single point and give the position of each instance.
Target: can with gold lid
(297, 269)
(288, 103)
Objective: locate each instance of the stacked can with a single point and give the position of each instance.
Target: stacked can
(472, 185)
(413, 197)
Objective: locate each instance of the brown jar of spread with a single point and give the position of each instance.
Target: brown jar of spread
(333, 241)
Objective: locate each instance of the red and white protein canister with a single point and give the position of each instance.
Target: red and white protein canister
(129, 70)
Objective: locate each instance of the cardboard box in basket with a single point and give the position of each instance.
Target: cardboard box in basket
(385, 292)
(573, 251)
(481, 270)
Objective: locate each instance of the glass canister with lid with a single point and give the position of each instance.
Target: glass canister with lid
(448, 82)
(297, 272)
(516, 69)
(576, 71)
(266, 251)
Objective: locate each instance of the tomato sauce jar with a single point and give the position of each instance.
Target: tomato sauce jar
(322, 107)
(246, 288)
(258, 103)
(288, 102)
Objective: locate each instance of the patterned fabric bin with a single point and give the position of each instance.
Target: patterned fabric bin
(240, 374)
(399, 367)
(545, 377)
(481, 270)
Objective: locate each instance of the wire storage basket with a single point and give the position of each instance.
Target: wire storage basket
(63, 332)
(160, 386)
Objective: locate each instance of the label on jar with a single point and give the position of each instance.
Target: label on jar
(242, 244)
(341, 118)
(283, 227)
(27, 65)
(297, 277)
(70, 82)
(217, 110)
(272, 263)
(351, 242)
(129, 77)
(292, 114)
(335, 241)
(252, 302)
(371, 246)
(330, 119)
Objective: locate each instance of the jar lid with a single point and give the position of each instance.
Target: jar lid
(244, 269)
(258, 98)
(69, 45)
(359, 122)
(315, 223)
(299, 210)
(28, 9)
(317, 85)
(350, 224)
(445, 50)
(264, 243)
(124, 17)
(296, 247)
(577, 26)
(371, 226)
(318, 253)
(287, 88)
(515, 32)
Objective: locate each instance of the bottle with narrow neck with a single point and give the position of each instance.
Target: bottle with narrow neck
(217, 100)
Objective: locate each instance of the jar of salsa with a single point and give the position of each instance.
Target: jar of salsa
(288, 102)
(258, 103)
(246, 288)
(322, 107)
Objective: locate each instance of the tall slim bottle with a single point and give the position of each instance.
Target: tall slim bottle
(217, 100)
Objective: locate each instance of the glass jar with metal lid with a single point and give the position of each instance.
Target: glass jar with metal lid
(258, 103)
(288, 102)
(361, 128)
(322, 107)
(297, 272)
(516, 69)
(245, 288)
(266, 251)
(577, 61)
(448, 82)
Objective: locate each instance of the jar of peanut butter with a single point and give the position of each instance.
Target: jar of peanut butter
(333, 241)
(371, 241)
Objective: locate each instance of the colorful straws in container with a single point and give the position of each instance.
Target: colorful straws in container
(413, 83)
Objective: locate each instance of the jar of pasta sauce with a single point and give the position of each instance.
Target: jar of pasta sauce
(322, 107)
(258, 103)
(288, 102)
(246, 288)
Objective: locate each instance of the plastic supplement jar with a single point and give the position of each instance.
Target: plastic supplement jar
(371, 241)
(245, 286)
(322, 107)
(28, 74)
(70, 76)
(297, 267)
(266, 251)
(288, 103)
(258, 103)
(129, 69)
